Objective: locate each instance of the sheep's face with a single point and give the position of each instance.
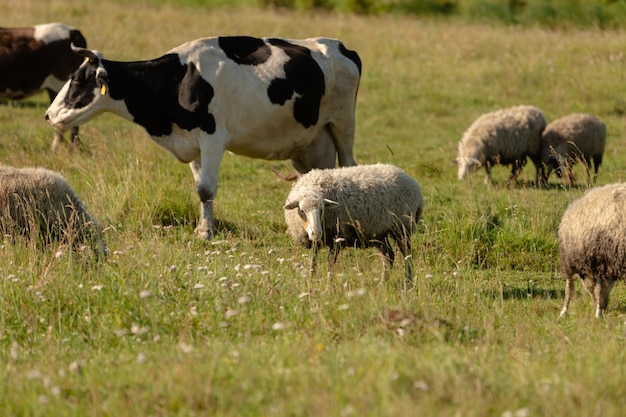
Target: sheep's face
(466, 166)
(311, 212)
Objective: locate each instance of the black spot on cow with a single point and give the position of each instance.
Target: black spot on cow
(303, 77)
(194, 97)
(245, 50)
(351, 55)
(280, 90)
(175, 94)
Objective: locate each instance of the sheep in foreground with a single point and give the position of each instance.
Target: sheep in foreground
(37, 203)
(360, 206)
(505, 136)
(577, 137)
(592, 243)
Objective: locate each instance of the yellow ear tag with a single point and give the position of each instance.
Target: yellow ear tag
(103, 90)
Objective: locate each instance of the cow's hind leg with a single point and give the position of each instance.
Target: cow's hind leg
(320, 153)
(343, 138)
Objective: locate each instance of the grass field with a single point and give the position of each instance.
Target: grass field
(169, 325)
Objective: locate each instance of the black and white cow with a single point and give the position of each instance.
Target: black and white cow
(38, 58)
(268, 98)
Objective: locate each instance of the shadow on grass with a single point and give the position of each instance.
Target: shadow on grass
(520, 185)
(226, 227)
(522, 293)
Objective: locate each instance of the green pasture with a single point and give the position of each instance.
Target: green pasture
(169, 325)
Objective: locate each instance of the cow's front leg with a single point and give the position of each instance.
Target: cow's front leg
(205, 171)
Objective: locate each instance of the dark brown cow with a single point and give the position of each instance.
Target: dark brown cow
(38, 58)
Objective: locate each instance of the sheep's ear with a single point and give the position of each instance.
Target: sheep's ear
(330, 203)
(291, 205)
(454, 161)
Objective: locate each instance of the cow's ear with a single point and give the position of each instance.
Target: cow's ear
(103, 80)
(92, 56)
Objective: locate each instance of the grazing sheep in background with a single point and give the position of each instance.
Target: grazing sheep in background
(592, 243)
(36, 202)
(505, 136)
(361, 206)
(577, 137)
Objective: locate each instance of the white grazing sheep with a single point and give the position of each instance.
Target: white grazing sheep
(36, 202)
(577, 137)
(505, 136)
(592, 243)
(361, 206)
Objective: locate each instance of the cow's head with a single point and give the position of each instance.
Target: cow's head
(85, 95)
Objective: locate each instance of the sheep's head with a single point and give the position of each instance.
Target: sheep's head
(554, 157)
(310, 206)
(466, 165)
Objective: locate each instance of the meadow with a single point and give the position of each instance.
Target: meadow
(169, 325)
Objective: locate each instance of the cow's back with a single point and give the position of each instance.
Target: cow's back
(280, 88)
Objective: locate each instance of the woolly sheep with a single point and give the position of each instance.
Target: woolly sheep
(36, 202)
(360, 206)
(505, 136)
(592, 243)
(570, 139)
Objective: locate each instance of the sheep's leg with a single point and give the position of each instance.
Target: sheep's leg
(313, 260)
(590, 286)
(546, 174)
(515, 171)
(488, 176)
(569, 293)
(602, 290)
(387, 256)
(538, 167)
(333, 253)
(597, 301)
(597, 160)
(405, 249)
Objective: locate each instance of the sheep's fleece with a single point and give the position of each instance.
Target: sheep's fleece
(592, 243)
(578, 136)
(39, 201)
(505, 136)
(374, 201)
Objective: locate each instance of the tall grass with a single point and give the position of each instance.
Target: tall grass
(170, 325)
